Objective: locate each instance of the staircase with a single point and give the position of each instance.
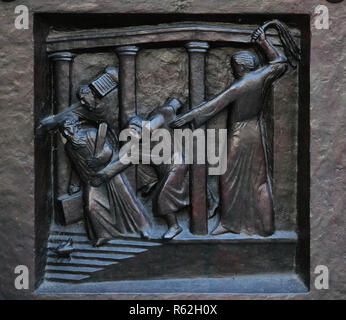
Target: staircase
(85, 260)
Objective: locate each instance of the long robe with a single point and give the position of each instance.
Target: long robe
(246, 195)
(172, 193)
(112, 209)
(246, 199)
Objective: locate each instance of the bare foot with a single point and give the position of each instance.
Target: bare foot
(100, 242)
(219, 230)
(145, 235)
(172, 232)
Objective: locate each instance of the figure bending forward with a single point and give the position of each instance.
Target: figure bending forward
(112, 208)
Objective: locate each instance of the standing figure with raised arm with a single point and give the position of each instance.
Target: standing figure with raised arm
(245, 189)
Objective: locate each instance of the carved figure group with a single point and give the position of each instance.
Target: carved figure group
(111, 206)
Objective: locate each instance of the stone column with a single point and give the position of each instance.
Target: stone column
(62, 66)
(198, 172)
(127, 86)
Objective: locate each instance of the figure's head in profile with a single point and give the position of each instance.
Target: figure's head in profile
(87, 98)
(243, 62)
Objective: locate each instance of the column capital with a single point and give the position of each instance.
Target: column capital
(127, 50)
(61, 56)
(197, 46)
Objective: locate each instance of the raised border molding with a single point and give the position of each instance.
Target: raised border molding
(91, 39)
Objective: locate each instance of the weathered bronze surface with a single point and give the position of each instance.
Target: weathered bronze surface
(105, 187)
(246, 191)
(103, 226)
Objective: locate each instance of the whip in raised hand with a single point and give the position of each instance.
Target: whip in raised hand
(245, 189)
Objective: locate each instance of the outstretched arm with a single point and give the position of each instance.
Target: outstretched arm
(207, 110)
(114, 167)
(99, 159)
(118, 163)
(55, 121)
(155, 122)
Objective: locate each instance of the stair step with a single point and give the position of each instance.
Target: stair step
(84, 239)
(134, 243)
(88, 247)
(75, 228)
(65, 276)
(71, 269)
(79, 262)
(62, 237)
(103, 256)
